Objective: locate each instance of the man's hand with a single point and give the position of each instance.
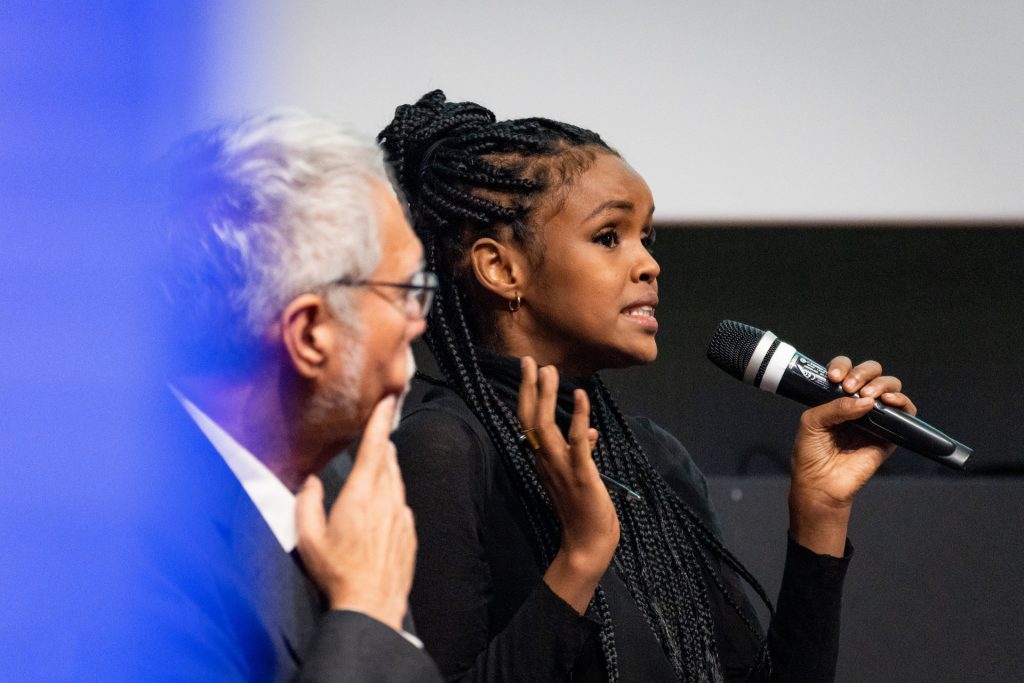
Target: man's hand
(362, 555)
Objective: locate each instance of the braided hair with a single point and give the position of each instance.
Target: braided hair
(466, 176)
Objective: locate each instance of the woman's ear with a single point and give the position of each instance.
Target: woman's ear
(498, 268)
(308, 337)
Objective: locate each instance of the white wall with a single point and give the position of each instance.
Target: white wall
(786, 109)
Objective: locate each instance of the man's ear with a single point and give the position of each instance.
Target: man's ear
(308, 335)
(498, 267)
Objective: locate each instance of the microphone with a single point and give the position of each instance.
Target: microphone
(763, 360)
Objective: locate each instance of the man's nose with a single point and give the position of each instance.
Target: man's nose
(416, 328)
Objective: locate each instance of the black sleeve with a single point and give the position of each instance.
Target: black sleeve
(353, 647)
(804, 635)
(445, 465)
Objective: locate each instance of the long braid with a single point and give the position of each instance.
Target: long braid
(704, 538)
(467, 176)
(683, 600)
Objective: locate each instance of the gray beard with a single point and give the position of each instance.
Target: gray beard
(338, 405)
(341, 401)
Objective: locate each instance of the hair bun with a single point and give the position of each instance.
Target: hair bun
(418, 130)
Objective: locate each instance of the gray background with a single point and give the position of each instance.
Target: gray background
(732, 109)
(933, 590)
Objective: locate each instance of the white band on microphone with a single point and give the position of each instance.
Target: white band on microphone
(765, 343)
(777, 367)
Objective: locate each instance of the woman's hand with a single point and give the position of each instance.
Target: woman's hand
(833, 459)
(590, 527)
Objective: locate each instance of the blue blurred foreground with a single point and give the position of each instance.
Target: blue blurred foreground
(89, 94)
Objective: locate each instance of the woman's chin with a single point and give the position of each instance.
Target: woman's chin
(633, 358)
(647, 354)
(648, 357)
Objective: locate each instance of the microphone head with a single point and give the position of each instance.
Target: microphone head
(732, 345)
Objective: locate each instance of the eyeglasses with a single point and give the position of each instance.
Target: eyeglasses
(418, 292)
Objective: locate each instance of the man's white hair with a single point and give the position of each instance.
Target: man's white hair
(263, 210)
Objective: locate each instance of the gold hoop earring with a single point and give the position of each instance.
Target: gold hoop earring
(513, 306)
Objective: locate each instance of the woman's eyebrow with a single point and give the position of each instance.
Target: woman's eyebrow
(611, 204)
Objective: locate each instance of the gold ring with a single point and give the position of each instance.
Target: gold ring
(530, 436)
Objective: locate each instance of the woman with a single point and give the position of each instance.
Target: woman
(531, 566)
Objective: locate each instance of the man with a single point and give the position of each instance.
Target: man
(295, 288)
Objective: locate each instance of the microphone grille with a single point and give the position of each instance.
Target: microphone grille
(732, 345)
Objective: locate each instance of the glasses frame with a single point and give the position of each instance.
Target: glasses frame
(417, 294)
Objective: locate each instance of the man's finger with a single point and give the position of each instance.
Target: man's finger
(370, 457)
(394, 473)
(310, 519)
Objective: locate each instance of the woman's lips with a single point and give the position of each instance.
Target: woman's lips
(643, 316)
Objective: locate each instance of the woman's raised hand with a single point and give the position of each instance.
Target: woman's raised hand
(590, 527)
(833, 459)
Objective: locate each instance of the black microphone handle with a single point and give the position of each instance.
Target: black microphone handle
(806, 381)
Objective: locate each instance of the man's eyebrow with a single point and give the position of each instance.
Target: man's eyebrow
(611, 204)
(420, 266)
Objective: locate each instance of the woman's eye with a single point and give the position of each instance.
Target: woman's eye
(648, 241)
(607, 239)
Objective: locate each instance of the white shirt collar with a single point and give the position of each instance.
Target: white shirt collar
(272, 498)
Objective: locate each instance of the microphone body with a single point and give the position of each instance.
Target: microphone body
(763, 360)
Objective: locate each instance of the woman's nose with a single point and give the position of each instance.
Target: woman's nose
(647, 268)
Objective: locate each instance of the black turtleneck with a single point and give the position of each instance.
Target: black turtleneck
(480, 603)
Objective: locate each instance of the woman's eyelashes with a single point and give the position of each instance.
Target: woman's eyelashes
(610, 238)
(648, 240)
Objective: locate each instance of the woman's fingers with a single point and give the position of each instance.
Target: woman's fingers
(544, 420)
(886, 384)
(838, 368)
(538, 394)
(580, 439)
(822, 418)
(539, 389)
(547, 395)
(860, 375)
(528, 392)
(859, 378)
(867, 380)
(899, 400)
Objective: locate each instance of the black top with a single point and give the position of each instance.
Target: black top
(481, 605)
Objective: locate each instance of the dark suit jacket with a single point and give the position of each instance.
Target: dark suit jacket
(222, 601)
